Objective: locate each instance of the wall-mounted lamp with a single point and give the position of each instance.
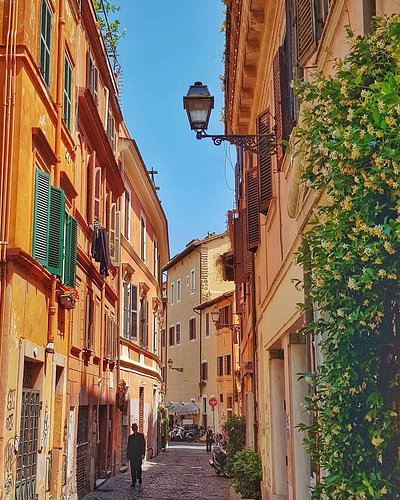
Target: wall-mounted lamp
(170, 363)
(198, 104)
(216, 317)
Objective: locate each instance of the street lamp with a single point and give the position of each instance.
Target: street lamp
(198, 104)
(170, 363)
(215, 315)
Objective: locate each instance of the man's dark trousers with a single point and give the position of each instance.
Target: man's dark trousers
(136, 470)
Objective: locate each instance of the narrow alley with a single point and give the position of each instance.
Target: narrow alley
(182, 472)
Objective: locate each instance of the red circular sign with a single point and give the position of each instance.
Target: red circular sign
(212, 401)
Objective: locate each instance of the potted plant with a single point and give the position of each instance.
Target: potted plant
(68, 298)
(246, 473)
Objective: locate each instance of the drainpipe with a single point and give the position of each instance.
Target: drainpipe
(6, 170)
(56, 170)
(255, 371)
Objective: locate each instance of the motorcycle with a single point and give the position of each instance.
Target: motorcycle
(177, 434)
(218, 460)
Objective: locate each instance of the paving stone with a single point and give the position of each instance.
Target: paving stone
(181, 472)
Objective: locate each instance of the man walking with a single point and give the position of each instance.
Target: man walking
(209, 439)
(135, 454)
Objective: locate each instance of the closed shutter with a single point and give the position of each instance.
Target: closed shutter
(41, 217)
(246, 261)
(90, 188)
(253, 210)
(305, 30)
(56, 230)
(265, 164)
(277, 103)
(117, 237)
(134, 307)
(70, 251)
(238, 249)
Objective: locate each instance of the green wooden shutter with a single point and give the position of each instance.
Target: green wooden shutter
(70, 252)
(56, 230)
(41, 217)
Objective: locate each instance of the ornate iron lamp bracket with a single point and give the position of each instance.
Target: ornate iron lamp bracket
(253, 143)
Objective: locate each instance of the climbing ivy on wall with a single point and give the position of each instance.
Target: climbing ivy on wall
(351, 143)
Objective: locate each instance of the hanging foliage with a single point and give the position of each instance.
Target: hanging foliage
(351, 143)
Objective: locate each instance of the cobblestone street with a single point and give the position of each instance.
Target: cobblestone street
(182, 472)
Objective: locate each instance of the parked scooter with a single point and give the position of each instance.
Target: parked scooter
(177, 433)
(218, 460)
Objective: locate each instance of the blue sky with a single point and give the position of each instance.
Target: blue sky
(168, 46)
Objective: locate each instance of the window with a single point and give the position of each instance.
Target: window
(67, 107)
(171, 295)
(93, 79)
(192, 282)
(45, 41)
(110, 131)
(229, 402)
(220, 366)
(171, 335)
(204, 370)
(178, 291)
(89, 320)
(178, 333)
(54, 233)
(192, 328)
(221, 398)
(97, 194)
(127, 206)
(130, 323)
(207, 324)
(228, 364)
(225, 315)
(144, 322)
(143, 238)
(155, 331)
(155, 259)
(114, 234)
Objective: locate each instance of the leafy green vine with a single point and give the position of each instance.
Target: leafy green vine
(351, 144)
(110, 29)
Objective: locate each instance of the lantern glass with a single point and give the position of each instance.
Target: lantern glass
(215, 315)
(170, 363)
(198, 104)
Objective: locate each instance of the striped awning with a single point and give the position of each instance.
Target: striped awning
(182, 408)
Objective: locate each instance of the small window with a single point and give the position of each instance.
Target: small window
(155, 333)
(220, 366)
(93, 79)
(171, 335)
(155, 259)
(204, 370)
(178, 291)
(97, 194)
(45, 41)
(192, 329)
(229, 402)
(221, 398)
(207, 324)
(172, 293)
(111, 131)
(228, 364)
(192, 282)
(127, 208)
(143, 238)
(178, 333)
(67, 105)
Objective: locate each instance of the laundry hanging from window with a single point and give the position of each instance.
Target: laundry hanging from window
(100, 248)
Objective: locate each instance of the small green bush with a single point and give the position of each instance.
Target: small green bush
(246, 473)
